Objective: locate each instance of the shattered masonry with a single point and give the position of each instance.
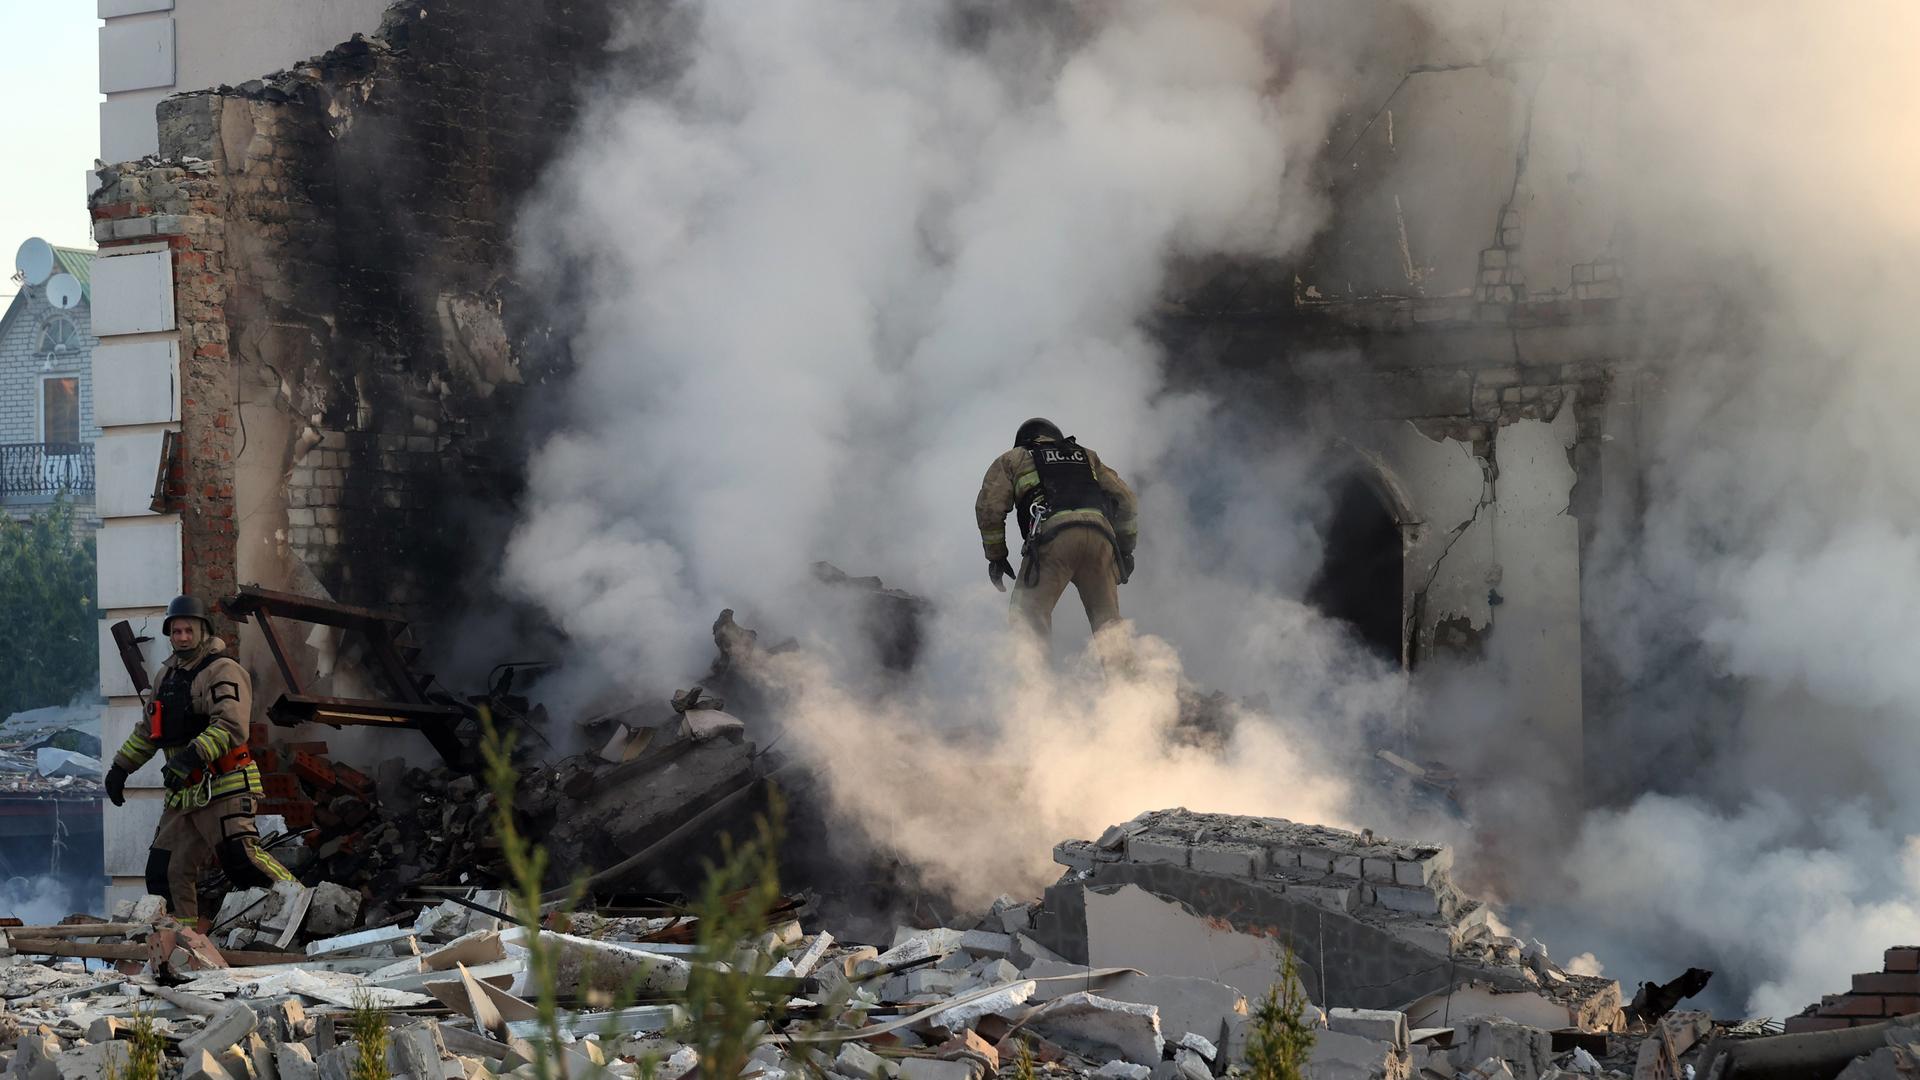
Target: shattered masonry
(268, 995)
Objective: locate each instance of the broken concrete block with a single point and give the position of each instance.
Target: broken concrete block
(1490, 1069)
(93, 1061)
(228, 1026)
(1229, 860)
(986, 943)
(147, 909)
(1407, 898)
(1528, 1050)
(1028, 951)
(1016, 918)
(1101, 1027)
(1199, 1044)
(201, 1065)
(260, 1057)
(1185, 1003)
(994, 972)
(1339, 1056)
(293, 1061)
(861, 1063)
(1381, 1025)
(245, 908)
(417, 1050)
(1154, 849)
(1680, 1030)
(969, 1046)
(1001, 1003)
(919, 1068)
(106, 1029)
(334, 909)
(1188, 1065)
(1122, 1070)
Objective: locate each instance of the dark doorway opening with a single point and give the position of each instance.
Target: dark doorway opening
(1359, 581)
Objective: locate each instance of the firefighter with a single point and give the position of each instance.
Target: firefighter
(1076, 516)
(198, 717)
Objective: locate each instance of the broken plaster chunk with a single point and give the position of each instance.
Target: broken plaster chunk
(334, 910)
(293, 1061)
(860, 1063)
(228, 1026)
(1085, 1022)
(1002, 1002)
(919, 1068)
(1189, 1065)
(1200, 1044)
(1380, 1025)
(202, 1065)
(94, 1061)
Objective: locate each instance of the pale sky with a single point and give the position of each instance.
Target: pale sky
(49, 123)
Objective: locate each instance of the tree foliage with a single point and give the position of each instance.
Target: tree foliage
(48, 615)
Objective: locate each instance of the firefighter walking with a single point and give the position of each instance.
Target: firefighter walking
(1076, 516)
(199, 718)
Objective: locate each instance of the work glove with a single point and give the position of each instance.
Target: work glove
(997, 569)
(180, 767)
(117, 786)
(1126, 566)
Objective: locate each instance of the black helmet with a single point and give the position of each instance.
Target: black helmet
(1036, 428)
(186, 607)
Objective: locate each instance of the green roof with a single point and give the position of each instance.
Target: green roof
(79, 263)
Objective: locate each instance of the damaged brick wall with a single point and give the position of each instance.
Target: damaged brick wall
(343, 234)
(179, 207)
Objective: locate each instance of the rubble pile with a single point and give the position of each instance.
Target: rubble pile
(409, 826)
(1151, 959)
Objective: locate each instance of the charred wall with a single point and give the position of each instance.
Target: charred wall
(358, 348)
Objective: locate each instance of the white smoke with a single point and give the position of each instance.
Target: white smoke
(824, 275)
(1760, 614)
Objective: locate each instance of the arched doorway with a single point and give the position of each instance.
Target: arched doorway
(1361, 578)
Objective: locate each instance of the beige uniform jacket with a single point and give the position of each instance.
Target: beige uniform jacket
(1012, 474)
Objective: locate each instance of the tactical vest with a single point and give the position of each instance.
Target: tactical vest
(1067, 482)
(171, 719)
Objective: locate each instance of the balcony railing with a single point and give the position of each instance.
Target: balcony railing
(37, 472)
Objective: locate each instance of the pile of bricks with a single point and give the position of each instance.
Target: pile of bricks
(1876, 995)
(325, 801)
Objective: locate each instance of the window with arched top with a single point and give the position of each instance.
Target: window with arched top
(59, 338)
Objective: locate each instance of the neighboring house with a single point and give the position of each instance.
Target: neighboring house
(46, 397)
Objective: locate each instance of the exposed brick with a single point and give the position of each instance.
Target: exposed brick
(1879, 982)
(1903, 959)
(1798, 1024)
(1853, 1005)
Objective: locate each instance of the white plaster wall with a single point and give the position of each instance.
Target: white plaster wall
(139, 562)
(132, 294)
(231, 41)
(127, 833)
(114, 682)
(134, 383)
(116, 723)
(136, 54)
(126, 465)
(151, 48)
(1537, 548)
(1452, 547)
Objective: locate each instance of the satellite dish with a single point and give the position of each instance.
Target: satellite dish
(63, 291)
(34, 260)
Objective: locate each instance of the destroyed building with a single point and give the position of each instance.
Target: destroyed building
(310, 294)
